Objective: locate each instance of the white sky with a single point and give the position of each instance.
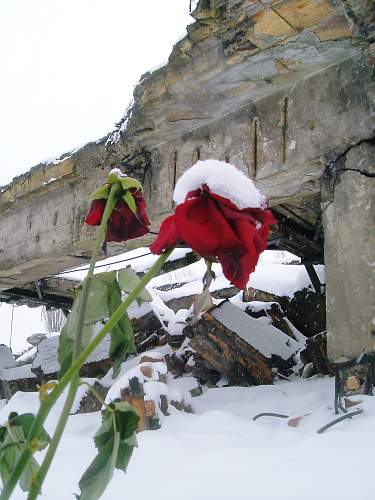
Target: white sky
(68, 68)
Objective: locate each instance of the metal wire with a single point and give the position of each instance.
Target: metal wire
(11, 328)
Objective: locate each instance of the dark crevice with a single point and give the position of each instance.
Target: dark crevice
(336, 167)
(284, 128)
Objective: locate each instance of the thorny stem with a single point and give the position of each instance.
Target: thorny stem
(36, 486)
(70, 375)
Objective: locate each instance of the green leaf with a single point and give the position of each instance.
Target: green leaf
(29, 474)
(114, 450)
(129, 200)
(96, 308)
(71, 324)
(13, 436)
(122, 338)
(103, 299)
(125, 181)
(65, 349)
(101, 193)
(104, 433)
(97, 303)
(124, 453)
(128, 280)
(96, 478)
(130, 183)
(126, 420)
(25, 421)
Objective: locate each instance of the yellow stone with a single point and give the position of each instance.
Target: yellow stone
(352, 383)
(303, 13)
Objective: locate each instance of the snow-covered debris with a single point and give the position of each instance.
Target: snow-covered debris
(46, 359)
(157, 369)
(131, 362)
(35, 338)
(28, 402)
(270, 276)
(283, 280)
(140, 260)
(151, 389)
(27, 357)
(16, 373)
(222, 179)
(265, 338)
(7, 359)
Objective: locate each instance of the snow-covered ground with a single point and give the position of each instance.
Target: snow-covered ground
(220, 453)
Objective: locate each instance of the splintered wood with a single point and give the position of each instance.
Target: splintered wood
(245, 350)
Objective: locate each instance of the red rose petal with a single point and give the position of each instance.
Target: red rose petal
(95, 213)
(167, 237)
(124, 225)
(213, 226)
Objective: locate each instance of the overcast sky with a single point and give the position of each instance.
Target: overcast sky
(68, 68)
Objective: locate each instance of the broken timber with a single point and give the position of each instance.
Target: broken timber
(242, 349)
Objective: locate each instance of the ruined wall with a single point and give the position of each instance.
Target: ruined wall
(281, 88)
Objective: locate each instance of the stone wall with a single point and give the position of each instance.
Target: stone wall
(280, 88)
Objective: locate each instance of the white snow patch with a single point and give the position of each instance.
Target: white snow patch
(264, 460)
(16, 373)
(139, 259)
(27, 357)
(7, 359)
(222, 179)
(46, 358)
(117, 172)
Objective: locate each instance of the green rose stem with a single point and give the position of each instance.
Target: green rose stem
(73, 372)
(74, 384)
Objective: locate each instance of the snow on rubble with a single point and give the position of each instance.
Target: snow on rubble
(220, 453)
(267, 339)
(216, 452)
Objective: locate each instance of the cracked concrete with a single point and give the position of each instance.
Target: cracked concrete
(349, 252)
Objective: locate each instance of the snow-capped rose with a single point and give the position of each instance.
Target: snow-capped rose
(129, 218)
(213, 225)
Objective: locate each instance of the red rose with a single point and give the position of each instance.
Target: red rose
(215, 228)
(123, 224)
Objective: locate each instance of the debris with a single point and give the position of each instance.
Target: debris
(340, 419)
(18, 378)
(90, 401)
(239, 347)
(152, 391)
(294, 421)
(270, 414)
(36, 338)
(315, 353)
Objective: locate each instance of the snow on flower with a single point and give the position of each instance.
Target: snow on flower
(221, 216)
(222, 179)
